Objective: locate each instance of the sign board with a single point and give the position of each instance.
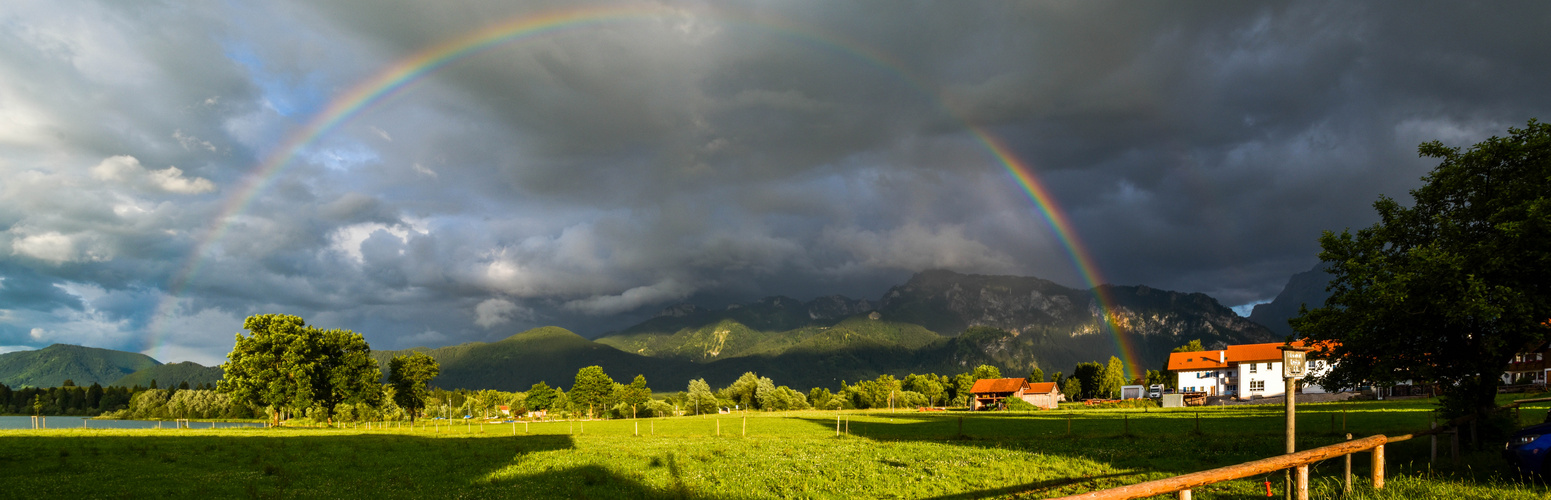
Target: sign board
(1293, 364)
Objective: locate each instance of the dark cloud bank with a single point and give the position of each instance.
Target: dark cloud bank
(709, 153)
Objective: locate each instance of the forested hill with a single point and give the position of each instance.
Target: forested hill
(1305, 288)
(53, 365)
(549, 354)
(172, 374)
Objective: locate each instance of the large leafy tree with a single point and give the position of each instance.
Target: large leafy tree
(347, 374)
(540, 397)
(592, 390)
(284, 364)
(409, 376)
(1449, 289)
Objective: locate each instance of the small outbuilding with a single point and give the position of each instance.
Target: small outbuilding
(993, 393)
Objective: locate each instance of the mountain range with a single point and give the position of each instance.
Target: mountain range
(938, 322)
(1305, 288)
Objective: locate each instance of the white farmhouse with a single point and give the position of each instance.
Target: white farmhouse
(1243, 371)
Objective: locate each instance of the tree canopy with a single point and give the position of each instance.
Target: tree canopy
(285, 364)
(409, 376)
(592, 390)
(1449, 289)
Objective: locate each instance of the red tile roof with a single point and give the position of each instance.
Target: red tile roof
(1199, 360)
(990, 385)
(1245, 353)
(1040, 388)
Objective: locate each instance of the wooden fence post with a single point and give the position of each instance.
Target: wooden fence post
(1184, 494)
(1433, 454)
(1301, 483)
(961, 426)
(1198, 423)
(1126, 419)
(1454, 445)
(1346, 483)
(1378, 467)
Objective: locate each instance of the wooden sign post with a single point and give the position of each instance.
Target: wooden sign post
(1294, 367)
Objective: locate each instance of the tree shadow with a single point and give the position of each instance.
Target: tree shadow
(1030, 488)
(326, 465)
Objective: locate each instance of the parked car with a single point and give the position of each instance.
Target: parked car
(1155, 392)
(1528, 447)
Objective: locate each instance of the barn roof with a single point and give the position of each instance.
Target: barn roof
(1041, 388)
(990, 385)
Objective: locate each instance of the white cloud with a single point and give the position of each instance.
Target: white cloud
(916, 247)
(189, 141)
(14, 348)
(127, 169)
(381, 133)
(423, 170)
(664, 291)
(348, 239)
(493, 312)
(60, 248)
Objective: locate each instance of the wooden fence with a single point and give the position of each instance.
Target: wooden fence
(1298, 460)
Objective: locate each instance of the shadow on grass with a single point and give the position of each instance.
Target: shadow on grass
(1031, 488)
(1161, 443)
(321, 465)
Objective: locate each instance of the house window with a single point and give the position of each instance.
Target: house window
(1257, 385)
(1539, 356)
(1252, 367)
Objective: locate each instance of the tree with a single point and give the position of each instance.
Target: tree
(347, 374)
(286, 365)
(540, 397)
(700, 398)
(409, 376)
(1448, 289)
(928, 385)
(1036, 375)
(1193, 346)
(1089, 376)
(1072, 389)
(986, 371)
(637, 394)
(744, 391)
(592, 390)
(1114, 377)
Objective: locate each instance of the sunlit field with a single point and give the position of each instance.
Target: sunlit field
(765, 455)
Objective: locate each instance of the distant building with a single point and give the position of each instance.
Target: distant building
(993, 392)
(1531, 364)
(1243, 371)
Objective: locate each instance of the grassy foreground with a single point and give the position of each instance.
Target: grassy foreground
(898, 455)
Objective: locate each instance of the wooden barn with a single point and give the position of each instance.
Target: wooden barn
(993, 392)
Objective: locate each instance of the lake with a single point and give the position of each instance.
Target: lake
(62, 422)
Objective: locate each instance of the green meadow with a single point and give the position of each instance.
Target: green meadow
(762, 455)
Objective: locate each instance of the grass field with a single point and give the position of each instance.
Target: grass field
(884, 455)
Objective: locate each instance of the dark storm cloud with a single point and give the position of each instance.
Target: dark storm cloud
(705, 152)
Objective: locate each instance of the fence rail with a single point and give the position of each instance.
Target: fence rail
(1298, 460)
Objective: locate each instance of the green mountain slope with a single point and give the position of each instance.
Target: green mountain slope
(171, 374)
(52, 365)
(549, 354)
(728, 338)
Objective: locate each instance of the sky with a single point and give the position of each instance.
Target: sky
(170, 168)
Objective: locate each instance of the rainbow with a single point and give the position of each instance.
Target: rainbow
(403, 73)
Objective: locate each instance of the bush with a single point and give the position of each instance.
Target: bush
(1018, 404)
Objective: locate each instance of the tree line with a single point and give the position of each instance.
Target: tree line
(73, 400)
